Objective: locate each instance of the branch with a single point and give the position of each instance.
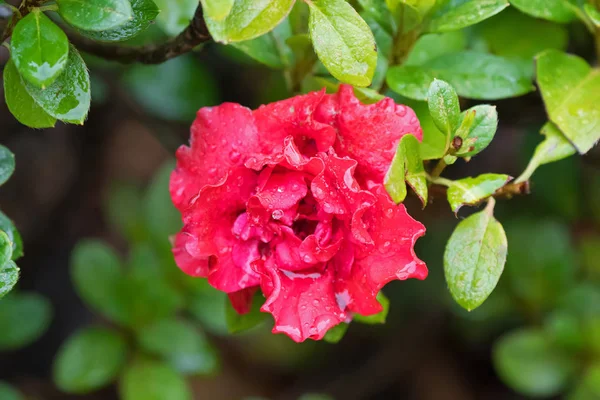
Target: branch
(195, 34)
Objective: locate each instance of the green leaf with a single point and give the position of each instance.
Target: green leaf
(181, 345)
(365, 95)
(406, 166)
(7, 392)
(343, 41)
(472, 191)
(473, 75)
(7, 164)
(161, 217)
(217, 9)
(378, 318)
(431, 46)
(8, 227)
(24, 317)
(467, 14)
(377, 9)
(144, 13)
(173, 90)
(589, 387)
(124, 211)
(97, 277)
(407, 14)
(481, 131)
(237, 323)
(552, 10)
(5, 249)
(528, 363)
(153, 380)
(9, 274)
(175, 15)
(335, 334)
(564, 329)
(39, 49)
(89, 360)
(68, 98)
(20, 103)
(570, 91)
(443, 106)
(593, 13)
(270, 49)
(95, 15)
(249, 19)
(433, 146)
(474, 258)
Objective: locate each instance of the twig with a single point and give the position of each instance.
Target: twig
(194, 35)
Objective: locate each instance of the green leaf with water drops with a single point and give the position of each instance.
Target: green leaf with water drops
(249, 19)
(95, 15)
(532, 365)
(39, 49)
(144, 13)
(335, 334)
(68, 98)
(153, 380)
(5, 248)
(570, 90)
(9, 275)
(378, 318)
(474, 258)
(9, 228)
(89, 360)
(24, 317)
(481, 130)
(7, 164)
(217, 9)
(443, 106)
(343, 41)
(406, 167)
(466, 14)
(20, 103)
(552, 10)
(472, 191)
(593, 14)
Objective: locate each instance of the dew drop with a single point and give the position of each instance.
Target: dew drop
(318, 193)
(389, 212)
(316, 302)
(307, 258)
(328, 208)
(234, 156)
(280, 189)
(400, 110)
(414, 120)
(212, 171)
(277, 214)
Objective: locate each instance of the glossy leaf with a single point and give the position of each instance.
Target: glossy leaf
(407, 15)
(181, 345)
(217, 9)
(481, 131)
(531, 365)
(7, 392)
(89, 360)
(249, 19)
(9, 275)
(9, 228)
(474, 258)
(473, 75)
(144, 13)
(406, 166)
(466, 14)
(433, 146)
(175, 15)
(365, 95)
(153, 380)
(271, 49)
(20, 103)
(378, 10)
(430, 46)
(242, 322)
(552, 10)
(7, 164)
(378, 318)
(592, 13)
(443, 106)
(343, 41)
(24, 317)
(569, 88)
(472, 191)
(5, 250)
(68, 98)
(39, 49)
(337, 333)
(95, 15)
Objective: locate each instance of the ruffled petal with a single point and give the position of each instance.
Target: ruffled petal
(370, 134)
(188, 263)
(303, 304)
(391, 256)
(231, 270)
(222, 137)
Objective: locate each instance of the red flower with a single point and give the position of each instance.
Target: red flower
(289, 198)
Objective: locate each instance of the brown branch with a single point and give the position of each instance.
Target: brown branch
(194, 35)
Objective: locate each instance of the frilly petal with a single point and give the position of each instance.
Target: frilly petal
(231, 270)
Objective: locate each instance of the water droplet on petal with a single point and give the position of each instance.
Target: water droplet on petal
(318, 193)
(328, 208)
(280, 189)
(389, 212)
(277, 214)
(400, 110)
(307, 258)
(316, 302)
(234, 156)
(212, 171)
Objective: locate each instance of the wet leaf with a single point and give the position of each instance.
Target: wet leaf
(270, 49)
(406, 166)
(95, 15)
(466, 14)
(175, 15)
(7, 164)
(20, 103)
(474, 258)
(5, 251)
(343, 41)
(443, 106)
(24, 317)
(481, 131)
(553, 148)
(552, 10)
(9, 228)
(217, 9)
(39, 49)
(378, 10)
(531, 365)
(431, 46)
(9, 275)
(181, 345)
(153, 380)
(378, 318)
(472, 191)
(570, 91)
(249, 19)
(89, 360)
